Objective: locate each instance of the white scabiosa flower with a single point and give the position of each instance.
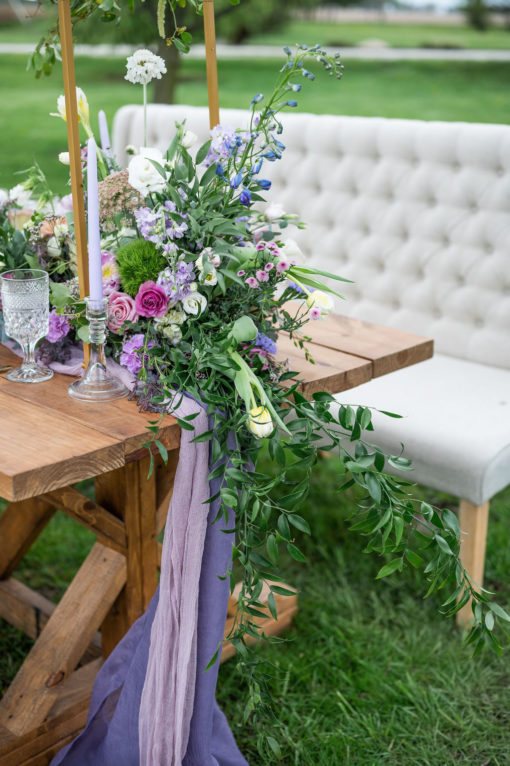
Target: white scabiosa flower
(194, 304)
(260, 422)
(320, 300)
(143, 67)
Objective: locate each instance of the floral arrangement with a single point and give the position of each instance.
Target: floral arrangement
(201, 281)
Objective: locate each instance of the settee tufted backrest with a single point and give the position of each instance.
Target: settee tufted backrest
(416, 213)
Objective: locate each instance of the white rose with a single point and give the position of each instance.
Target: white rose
(292, 251)
(194, 303)
(274, 210)
(20, 196)
(143, 176)
(320, 300)
(63, 157)
(172, 332)
(188, 139)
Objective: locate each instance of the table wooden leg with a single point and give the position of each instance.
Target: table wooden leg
(20, 525)
(142, 504)
(63, 641)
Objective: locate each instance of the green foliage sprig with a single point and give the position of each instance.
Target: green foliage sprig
(47, 50)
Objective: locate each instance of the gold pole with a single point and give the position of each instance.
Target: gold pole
(211, 64)
(73, 137)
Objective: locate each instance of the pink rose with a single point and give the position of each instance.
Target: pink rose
(151, 300)
(121, 308)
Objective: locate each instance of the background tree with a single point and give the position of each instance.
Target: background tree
(235, 24)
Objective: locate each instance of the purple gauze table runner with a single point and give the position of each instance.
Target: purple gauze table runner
(153, 703)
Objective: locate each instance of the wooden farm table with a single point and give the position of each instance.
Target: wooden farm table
(50, 442)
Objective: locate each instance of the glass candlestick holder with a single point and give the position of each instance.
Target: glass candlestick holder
(97, 384)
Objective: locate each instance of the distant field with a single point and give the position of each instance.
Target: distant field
(398, 35)
(469, 92)
(332, 33)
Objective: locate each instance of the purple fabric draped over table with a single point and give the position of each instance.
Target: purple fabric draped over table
(152, 703)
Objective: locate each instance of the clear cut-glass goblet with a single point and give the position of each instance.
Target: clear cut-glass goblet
(25, 306)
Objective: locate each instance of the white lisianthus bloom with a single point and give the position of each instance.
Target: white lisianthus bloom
(213, 258)
(292, 251)
(144, 66)
(322, 301)
(211, 278)
(63, 157)
(173, 333)
(53, 247)
(143, 176)
(188, 139)
(21, 196)
(194, 303)
(274, 210)
(260, 422)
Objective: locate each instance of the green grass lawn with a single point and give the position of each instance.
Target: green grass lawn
(421, 90)
(371, 674)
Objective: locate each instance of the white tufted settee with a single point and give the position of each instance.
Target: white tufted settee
(417, 214)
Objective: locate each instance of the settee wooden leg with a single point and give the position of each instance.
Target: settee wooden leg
(473, 521)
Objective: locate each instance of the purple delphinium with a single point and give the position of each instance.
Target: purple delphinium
(245, 197)
(264, 342)
(130, 356)
(296, 287)
(58, 327)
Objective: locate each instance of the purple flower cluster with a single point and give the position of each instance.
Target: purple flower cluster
(130, 356)
(176, 282)
(159, 227)
(265, 343)
(58, 327)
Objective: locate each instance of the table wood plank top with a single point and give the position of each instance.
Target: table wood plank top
(49, 440)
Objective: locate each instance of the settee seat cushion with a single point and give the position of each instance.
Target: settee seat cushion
(455, 424)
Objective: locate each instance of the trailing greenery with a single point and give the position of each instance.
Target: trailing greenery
(369, 674)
